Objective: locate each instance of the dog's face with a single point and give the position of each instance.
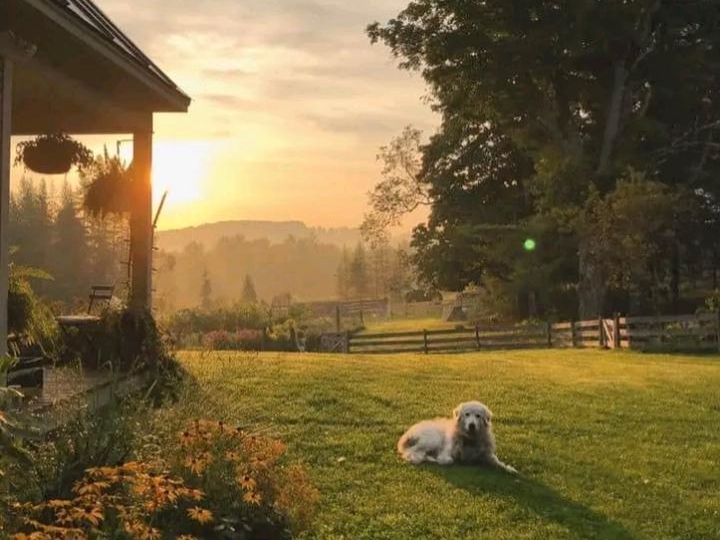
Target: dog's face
(472, 417)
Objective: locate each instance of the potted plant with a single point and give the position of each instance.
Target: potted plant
(54, 153)
(108, 187)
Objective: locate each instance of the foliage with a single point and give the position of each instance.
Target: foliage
(27, 314)
(240, 340)
(302, 267)
(54, 153)
(10, 451)
(401, 190)
(544, 107)
(215, 482)
(108, 187)
(712, 302)
(206, 291)
(188, 321)
(249, 295)
(77, 251)
(632, 228)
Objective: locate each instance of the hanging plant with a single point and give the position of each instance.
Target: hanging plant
(108, 187)
(55, 153)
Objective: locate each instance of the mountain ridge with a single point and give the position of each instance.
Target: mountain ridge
(209, 234)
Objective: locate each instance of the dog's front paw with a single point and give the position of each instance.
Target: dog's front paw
(445, 460)
(510, 469)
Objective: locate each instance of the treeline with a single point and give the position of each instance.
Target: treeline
(236, 269)
(575, 171)
(379, 271)
(48, 230)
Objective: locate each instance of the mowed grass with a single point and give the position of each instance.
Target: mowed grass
(609, 445)
(409, 325)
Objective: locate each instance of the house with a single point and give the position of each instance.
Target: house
(65, 67)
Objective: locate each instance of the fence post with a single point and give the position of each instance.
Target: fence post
(572, 334)
(548, 326)
(346, 342)
(477, 335)
(717, 329)
(337, 318)
(617, 343)
(601, 332)
(425, 341)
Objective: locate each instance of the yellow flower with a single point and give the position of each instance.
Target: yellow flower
(252, 498)
(186, 438)
(196, 465)
(200, 515)
(186, 537)
(247, 482)
(92, 514)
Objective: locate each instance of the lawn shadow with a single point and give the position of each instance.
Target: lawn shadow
(581, 521)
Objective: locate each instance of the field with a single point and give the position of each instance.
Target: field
(609, 445)
(409, 325)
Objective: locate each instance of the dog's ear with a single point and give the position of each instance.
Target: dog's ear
(456, 412)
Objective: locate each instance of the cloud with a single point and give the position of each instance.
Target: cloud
(297, 78)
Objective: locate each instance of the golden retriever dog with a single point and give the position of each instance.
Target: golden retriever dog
(467, 438)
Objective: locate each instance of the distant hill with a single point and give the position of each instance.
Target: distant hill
(208, 234)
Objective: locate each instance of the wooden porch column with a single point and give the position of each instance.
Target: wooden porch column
(6, 84)
(141, 231)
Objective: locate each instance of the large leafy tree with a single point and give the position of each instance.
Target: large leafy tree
(546, 105)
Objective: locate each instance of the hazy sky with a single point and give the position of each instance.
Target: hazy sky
(290, 104)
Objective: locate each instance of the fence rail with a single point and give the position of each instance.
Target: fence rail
(682, 332)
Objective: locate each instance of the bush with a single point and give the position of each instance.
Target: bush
(215, 482)
(241, 340)
(27, 314)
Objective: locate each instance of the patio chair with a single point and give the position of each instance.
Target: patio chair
(100, 293)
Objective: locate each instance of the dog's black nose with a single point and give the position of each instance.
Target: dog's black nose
(472, 427)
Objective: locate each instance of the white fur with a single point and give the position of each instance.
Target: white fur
(465, 438)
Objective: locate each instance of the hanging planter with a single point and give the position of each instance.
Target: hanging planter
(55, 153)
(108, 188)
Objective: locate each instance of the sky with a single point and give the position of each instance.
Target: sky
(290, 105)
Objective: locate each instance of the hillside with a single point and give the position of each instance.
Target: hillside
(209, 234)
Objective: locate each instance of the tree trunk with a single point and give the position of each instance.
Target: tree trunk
(592, 288)
(612, 122)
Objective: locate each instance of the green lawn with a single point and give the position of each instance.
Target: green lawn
(609, 445)
(408, 325)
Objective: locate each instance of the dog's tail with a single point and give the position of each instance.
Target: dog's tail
(405, 442)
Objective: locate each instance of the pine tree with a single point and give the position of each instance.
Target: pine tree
(69, 254)
(343, 275)
(206, 291)
(249, 295)
(359, 278)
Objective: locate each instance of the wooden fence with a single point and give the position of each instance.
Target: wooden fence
(680, 332)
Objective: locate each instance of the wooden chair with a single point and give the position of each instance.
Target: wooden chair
(100, 293)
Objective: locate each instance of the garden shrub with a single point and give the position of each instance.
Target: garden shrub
(215, 482)
(240, 340)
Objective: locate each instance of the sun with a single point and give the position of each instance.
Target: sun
(180, 168)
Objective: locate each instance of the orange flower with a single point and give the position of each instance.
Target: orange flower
(247, 482)
(252, 498)
(200, 515)
(196, 465)
(186, 438)
(92, 514)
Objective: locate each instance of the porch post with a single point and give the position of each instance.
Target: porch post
(6, 84)
(141, 233)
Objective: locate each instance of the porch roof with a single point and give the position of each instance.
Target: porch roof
(80, 74)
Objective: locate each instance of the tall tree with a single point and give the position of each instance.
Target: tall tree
(359, 273)
(206, 291)
(70, 252)
(401, 191)
(249, 294)
(575, 93)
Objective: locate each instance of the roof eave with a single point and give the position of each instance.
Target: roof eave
(176, 99)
